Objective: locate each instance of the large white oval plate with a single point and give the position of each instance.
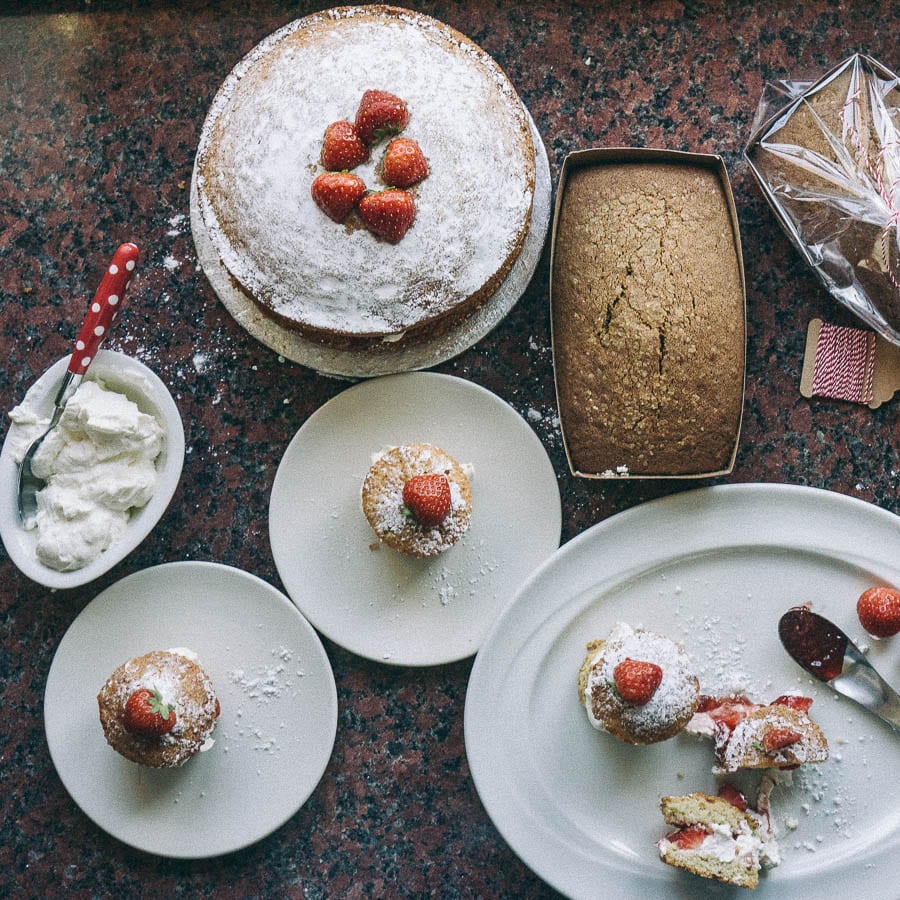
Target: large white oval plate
(377, 602)
(275, 688)
(140, 384)
(713, 569)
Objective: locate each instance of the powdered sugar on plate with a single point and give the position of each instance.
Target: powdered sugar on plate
(262, 685)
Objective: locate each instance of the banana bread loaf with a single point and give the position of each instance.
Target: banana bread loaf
(648, 320)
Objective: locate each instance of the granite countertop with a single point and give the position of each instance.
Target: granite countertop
(99, 123)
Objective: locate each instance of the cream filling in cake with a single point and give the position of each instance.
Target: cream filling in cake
(259, 153)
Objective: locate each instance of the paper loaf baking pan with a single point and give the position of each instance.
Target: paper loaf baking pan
(648, 314)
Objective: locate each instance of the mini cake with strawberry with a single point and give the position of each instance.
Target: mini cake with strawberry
(638, 686)
(418, 499)
(366, 177)
(159, 709)
(748, 735)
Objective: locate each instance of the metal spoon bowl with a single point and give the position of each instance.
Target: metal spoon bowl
(827, 653)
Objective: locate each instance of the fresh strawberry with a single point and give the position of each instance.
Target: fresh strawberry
(878, 609)
(342, 147)
(146, 714)
(388, 214)
(730, 793)
(337, 193)
(779, 738)
(636, 680)
(380, 114)
(687, 838)
(403, 164)
(427, 497)
(794, 701)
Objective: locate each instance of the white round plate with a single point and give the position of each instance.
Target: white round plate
(370, 599)
(387, 360)
(141, 385)
(713, 569)
(275, 688)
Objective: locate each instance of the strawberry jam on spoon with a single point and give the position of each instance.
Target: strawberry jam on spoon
(815, 643)
(827, 653)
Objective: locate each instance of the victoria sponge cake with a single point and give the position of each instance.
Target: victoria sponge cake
(261, 148)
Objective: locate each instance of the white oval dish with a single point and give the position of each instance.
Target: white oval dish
(138, 383)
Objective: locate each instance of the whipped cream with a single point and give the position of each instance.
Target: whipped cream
(98, 465)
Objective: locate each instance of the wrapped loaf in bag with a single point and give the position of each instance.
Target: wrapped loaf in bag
(827, 157)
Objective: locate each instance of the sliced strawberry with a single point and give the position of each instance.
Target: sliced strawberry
(403, 164)
(146, 713)
(878, 609)
(342, 147)
(706, 703)
(730, 793)
(778, 738)
(726, 712)
(388, 214)
(380, 114)
(794, 701)
(337, 193)
(688, 838)
(637, 680)
(427, 497)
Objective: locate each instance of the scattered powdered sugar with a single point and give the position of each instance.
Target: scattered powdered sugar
(171, 264)
(176, 223)
(261, 686)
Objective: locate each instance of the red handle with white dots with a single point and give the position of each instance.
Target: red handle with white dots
(104, 310)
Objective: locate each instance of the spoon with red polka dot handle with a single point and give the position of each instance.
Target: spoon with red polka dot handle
(103, 311)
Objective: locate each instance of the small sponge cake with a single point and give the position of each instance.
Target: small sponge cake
(772, 737)
(670, 705)
(715, 839)
(384, 507)
(181, 685)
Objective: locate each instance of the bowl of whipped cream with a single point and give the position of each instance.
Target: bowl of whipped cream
(110, 469)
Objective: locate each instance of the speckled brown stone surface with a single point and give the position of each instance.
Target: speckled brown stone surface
(99, 118)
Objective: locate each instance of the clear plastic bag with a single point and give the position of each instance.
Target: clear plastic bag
(827, 157)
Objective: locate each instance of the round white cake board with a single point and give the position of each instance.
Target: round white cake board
(385, 360)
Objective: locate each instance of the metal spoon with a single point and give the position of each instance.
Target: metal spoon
(103, 311)
(827, 653)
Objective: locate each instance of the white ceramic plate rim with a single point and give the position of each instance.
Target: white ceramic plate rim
(381, 604)
(116, 370)
(217, 802)
(613, 559)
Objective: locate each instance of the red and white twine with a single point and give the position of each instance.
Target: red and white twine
(844, 364)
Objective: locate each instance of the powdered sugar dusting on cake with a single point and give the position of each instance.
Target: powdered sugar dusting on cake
(674, 698)
(259, 152)
(383, 497)
(183, 685)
